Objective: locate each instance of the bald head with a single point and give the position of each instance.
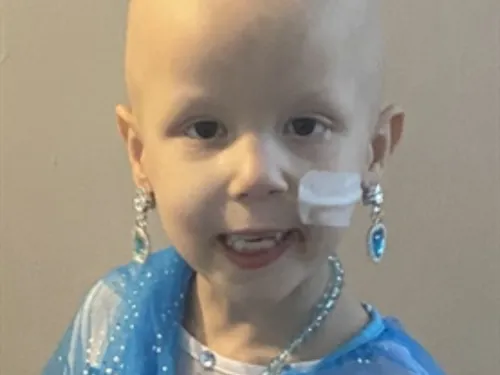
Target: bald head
(168, 41)
(232, 100)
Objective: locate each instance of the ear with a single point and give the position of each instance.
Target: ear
(387, 136)
(129, 131)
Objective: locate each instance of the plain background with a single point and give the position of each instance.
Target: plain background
(66, 191)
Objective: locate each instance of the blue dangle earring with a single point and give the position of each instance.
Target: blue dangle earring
(143, 202)
(373, 196)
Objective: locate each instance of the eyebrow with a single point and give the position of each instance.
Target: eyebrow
(189, 98)
(182, 101)
(325, 103)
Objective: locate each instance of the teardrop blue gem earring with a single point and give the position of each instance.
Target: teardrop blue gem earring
(143, 202)
(373, 196)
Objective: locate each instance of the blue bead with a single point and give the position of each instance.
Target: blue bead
(286, 368)
(139, 242)
(377, 241)
(207, 360)
(141, 245)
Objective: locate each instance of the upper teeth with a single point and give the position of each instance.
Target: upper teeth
(251, 243)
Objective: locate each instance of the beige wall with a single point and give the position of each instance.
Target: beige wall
(66, 191)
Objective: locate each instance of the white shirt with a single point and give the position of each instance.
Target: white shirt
(193, 353)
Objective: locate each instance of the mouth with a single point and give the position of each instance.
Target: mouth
(257, 249)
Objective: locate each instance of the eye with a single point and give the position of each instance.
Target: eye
(205, 130)
(307, 127)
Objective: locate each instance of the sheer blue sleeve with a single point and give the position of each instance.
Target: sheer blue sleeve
(392, 352)
(128, 322)
(86, 340)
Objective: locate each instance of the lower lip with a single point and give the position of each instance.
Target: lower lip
(258, 259)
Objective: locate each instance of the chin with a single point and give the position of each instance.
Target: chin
(270, 284)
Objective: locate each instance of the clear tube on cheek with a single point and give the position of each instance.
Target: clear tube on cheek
(328, 198)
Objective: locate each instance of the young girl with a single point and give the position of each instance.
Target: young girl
(253, 128)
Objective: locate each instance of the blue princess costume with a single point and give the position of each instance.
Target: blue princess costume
(130, 323)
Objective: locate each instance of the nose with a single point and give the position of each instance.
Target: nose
(259, 170)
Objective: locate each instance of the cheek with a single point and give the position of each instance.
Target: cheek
(181, 192)
(187, 206)
(325, 239)
(352, 154)
(184, 222)
(183, 208)
(344, 155)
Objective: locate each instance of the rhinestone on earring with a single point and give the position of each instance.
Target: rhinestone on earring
(373, 196)
(143, 202)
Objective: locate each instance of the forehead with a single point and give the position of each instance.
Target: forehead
(241, 48)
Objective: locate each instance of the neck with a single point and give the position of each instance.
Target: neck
(257, 332)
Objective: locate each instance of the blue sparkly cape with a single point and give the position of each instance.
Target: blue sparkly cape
(129, 322)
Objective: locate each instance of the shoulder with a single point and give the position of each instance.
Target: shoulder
(119, 280)
(123, 282)
(117, 309)
(110, 289)
(397, 348)
(382, 348)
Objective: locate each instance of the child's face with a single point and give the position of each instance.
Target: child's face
(231, 104)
